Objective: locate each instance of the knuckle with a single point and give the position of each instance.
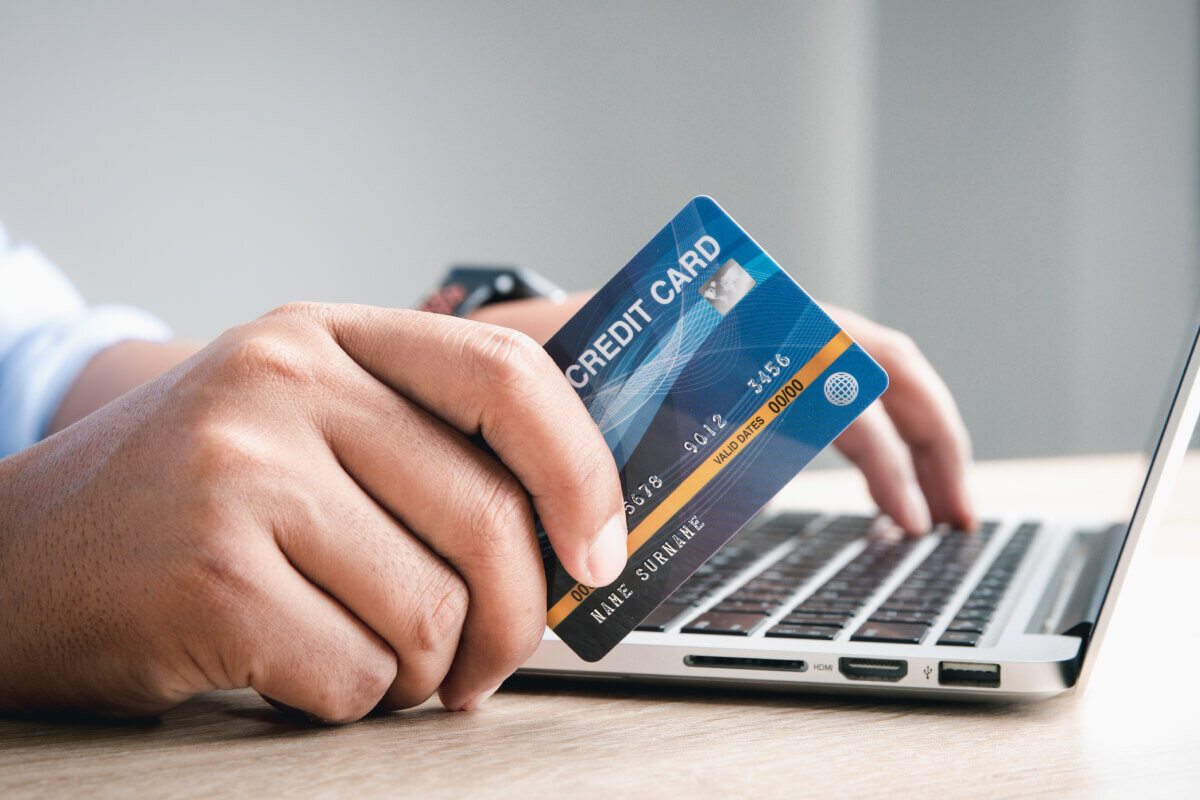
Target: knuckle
(898, 347)
(501, 513)
(218, 450)
(441, 611)
(510, 362)
(301, 311)
(262, 354)
(342, 684)
(593, 467)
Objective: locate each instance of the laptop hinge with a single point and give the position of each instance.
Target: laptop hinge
(1077, 590)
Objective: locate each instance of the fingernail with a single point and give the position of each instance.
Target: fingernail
(916, 509)
(606, 556)
(478, 700)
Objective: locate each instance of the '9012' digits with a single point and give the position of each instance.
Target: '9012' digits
(702, 437)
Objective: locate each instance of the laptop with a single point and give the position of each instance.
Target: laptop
(809, 600)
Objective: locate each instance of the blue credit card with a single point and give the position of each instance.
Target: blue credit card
(715, 379)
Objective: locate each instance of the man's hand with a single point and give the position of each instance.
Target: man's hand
(300, 508)
(912, 448)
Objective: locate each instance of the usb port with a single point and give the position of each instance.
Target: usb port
(873, 669)
(966, 673)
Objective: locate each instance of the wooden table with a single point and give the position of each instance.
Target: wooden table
(1136, 729)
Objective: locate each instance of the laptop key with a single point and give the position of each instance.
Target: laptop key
(802, 631)
(815, 619)
(972, 615)
(967, 626)
(755, 597)
(960, 638)
(898, 632)
(919, 617)
(736, 607)
(832, 613)
(848, 597)
(917, 606)
(662, 617)
(813, 607)
(917, 595)
(729, 624)
(763, 585)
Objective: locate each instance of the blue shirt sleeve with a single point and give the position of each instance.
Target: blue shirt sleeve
(47, 335)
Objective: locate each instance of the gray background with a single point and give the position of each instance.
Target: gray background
(1014, 184)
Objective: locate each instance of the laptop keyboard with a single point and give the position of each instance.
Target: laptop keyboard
(715, 574)
(840, 598)
(906, 616)
(747, 608)
(972, 619)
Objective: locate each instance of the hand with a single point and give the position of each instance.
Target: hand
(299, 508)
(913, 448)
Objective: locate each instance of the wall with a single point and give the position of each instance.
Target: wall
(1036, 209)
(1015, 184)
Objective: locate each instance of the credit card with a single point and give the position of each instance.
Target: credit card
(715, 379)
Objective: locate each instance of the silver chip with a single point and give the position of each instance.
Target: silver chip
(729, 285)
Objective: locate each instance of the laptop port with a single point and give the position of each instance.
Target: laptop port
(873, 669)
(965, 673)
(726, 662)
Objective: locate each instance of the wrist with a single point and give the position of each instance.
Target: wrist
(114, 371)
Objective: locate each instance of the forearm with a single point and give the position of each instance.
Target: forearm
(114, 371)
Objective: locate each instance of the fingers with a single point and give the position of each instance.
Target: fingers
(342, 541)
(873, 445)
(467, 508)
(395, 406)
(501, 384)
(927, 418)
(924, 415)
(291, 642)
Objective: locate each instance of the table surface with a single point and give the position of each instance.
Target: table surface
(1136, 728)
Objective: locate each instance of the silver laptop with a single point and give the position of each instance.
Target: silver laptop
(813, 601)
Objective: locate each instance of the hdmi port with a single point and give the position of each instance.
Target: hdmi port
(872, 669)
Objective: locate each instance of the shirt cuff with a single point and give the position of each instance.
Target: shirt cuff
(50, 357)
